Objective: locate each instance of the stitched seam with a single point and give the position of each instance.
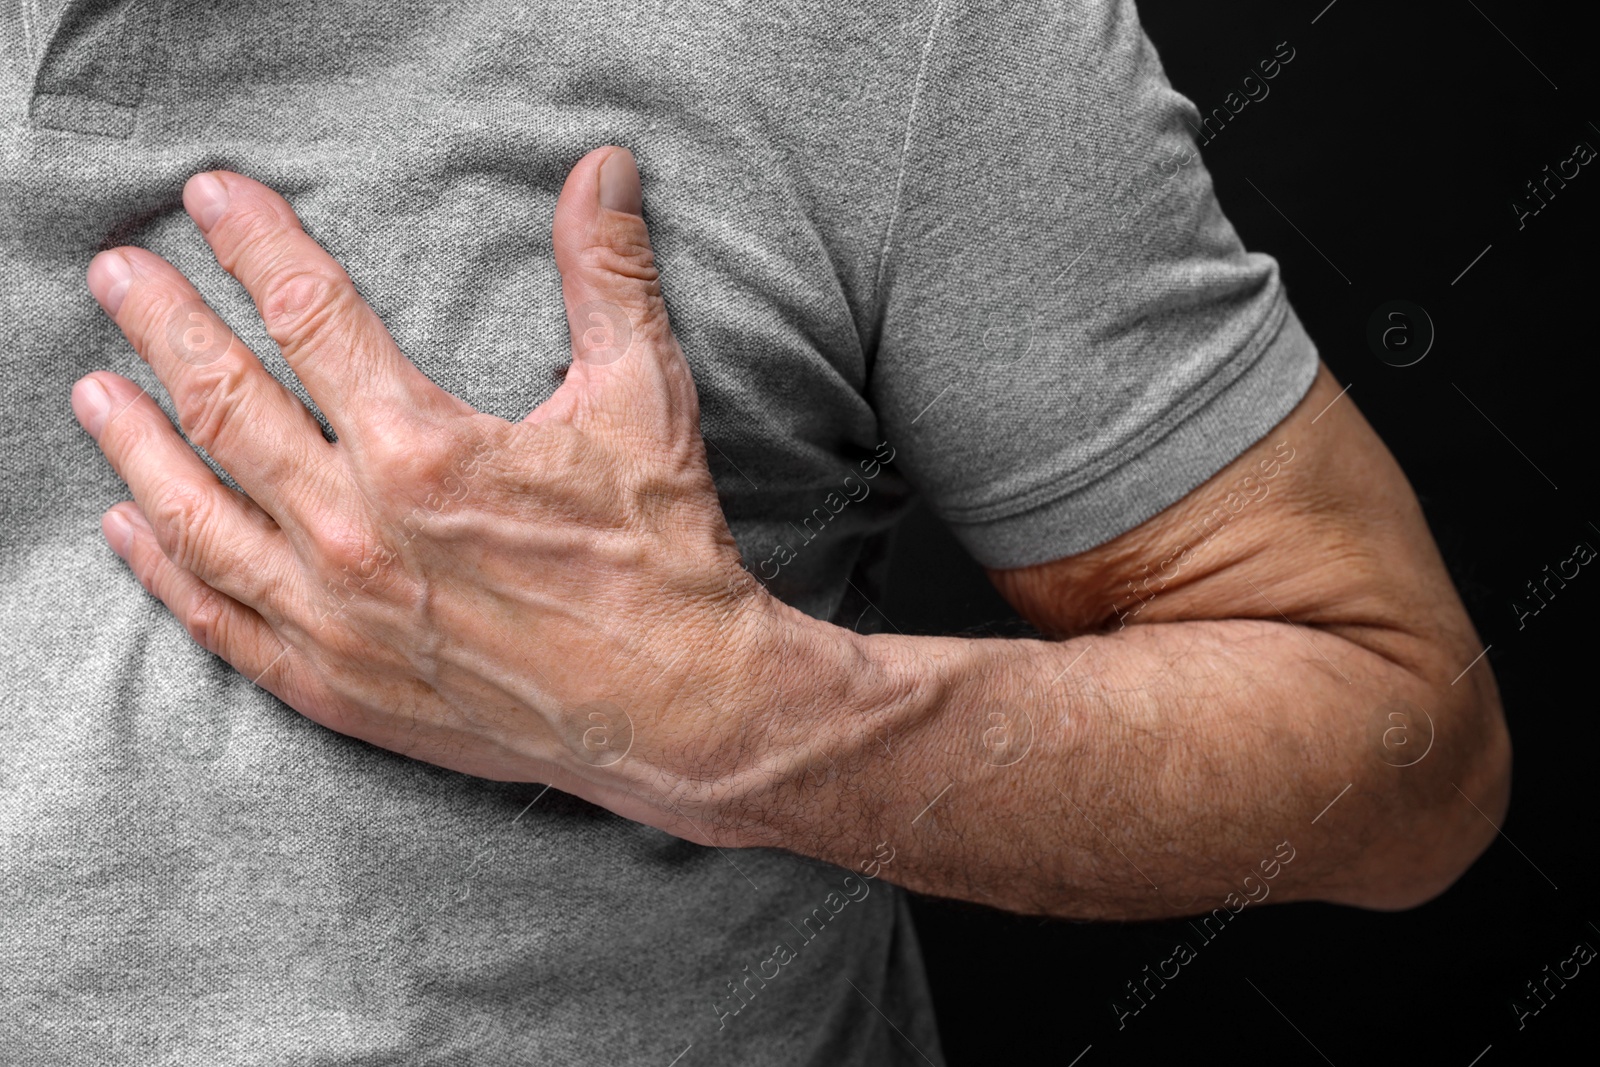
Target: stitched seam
(29, 15)
(900, 176)
(39, 40)
(147, 18)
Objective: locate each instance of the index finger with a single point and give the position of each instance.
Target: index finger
(331, 338)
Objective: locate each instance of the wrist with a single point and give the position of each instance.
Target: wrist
(813, 703)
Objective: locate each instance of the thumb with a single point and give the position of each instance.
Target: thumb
(618, 320)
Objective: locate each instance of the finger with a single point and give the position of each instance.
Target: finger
(220, 625)
(227, 403)
(204, 527)
(333, 341)
(621, 338)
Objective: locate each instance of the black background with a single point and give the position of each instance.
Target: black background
(1396, 141)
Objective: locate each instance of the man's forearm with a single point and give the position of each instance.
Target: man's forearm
(1139, 773)
(561, 599)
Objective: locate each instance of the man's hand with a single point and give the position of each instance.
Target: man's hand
(554, 599)
(561, 600)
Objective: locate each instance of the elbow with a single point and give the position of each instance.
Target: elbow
(1433, 826)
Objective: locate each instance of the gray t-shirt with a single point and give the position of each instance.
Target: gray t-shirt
(968, 236)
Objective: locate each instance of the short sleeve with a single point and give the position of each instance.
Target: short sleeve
(1071, 336)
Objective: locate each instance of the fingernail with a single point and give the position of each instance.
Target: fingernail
(109, 277)
(206, 199)
(118, 531)
(91, 404)
(619, 184)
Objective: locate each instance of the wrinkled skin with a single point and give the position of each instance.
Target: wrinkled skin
(557, 599)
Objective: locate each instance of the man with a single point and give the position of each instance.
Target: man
(598, 756)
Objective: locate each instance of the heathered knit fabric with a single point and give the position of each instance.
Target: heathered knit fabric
(960, 229)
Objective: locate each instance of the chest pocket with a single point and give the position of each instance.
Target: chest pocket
(92, 67)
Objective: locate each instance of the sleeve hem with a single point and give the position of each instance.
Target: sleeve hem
(1208, 439)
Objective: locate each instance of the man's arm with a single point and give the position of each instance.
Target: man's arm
(1264, 661)
(561, 600)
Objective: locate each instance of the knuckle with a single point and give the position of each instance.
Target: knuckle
(252, 231)
(407, 464)
(181, 515)
(167, 326)
(407, 458)
(194, 334)
(297, 299)
(207, 619)
(148, 316)
(130, 435)
(347, 551)
(625, 277)
(209, 402)
(629, 259)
